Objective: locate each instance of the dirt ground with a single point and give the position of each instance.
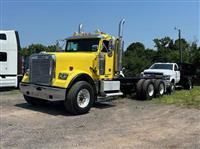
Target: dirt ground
(123, 123)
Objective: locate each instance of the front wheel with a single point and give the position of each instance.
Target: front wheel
(171, 88)
(188, 85)
(80, 98)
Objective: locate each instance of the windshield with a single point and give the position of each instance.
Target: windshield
(82, 45)
(162, 66)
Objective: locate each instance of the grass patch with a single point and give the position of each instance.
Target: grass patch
(182, 98)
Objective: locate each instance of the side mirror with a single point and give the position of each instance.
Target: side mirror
(176, 69)
(60, 45)
(109, 53)
(94, 47)
(110, 47)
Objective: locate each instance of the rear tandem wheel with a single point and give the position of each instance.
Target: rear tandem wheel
(145, 89)
(159, 88)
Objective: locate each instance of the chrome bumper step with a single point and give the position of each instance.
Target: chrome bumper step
(43, 92)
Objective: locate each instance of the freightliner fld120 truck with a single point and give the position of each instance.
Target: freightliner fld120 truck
(90, 67)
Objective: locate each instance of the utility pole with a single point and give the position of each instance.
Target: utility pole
(179, 44)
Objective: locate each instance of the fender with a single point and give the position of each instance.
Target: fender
(83, 77)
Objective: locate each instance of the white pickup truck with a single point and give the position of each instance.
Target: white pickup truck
(168, 70)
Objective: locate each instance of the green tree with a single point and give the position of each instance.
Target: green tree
(37, 48)
(164, 47)
(137, 58)
(163, 43)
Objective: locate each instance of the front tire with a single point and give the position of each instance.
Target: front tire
(189, 85)
(171, 88)
(80, 98)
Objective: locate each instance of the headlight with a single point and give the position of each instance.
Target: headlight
(167, 77)
(147, 75)
(62, 76)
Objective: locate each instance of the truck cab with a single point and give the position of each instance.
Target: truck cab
(84, 70)
(10, 60)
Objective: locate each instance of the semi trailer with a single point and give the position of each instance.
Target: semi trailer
(10, 60)
(90, 67)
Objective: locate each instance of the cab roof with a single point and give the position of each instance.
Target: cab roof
(84, 35)
(165, 63)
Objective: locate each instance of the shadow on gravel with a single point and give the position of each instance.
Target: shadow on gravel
(134, 97)
(52, 108)
(103, 105)
(57, 108)
(6, 89)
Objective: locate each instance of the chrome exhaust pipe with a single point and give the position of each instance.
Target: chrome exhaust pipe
(120, 48)
(121, 24)
(80, 28)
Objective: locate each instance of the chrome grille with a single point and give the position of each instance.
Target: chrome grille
(153, 73)
(42, 68)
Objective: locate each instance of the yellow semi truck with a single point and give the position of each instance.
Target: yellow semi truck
(90, 67)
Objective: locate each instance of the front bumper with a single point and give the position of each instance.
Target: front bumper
(167, 83)
(43, 92)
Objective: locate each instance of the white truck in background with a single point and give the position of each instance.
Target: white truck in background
(10, 60)
(169, 70)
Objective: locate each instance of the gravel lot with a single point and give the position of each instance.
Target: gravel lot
(123, 123)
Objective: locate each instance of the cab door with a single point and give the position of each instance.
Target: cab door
(108, 56)
(178, 75)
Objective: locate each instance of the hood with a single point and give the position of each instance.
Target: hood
(161, 71)
(65, 61)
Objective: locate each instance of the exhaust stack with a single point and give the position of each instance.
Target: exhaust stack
(120, 45)
(121, 23)
(80, 28)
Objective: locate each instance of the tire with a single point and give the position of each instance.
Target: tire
(80, 98)
(139, 89)
(159, 88)
(188, 85)
(171, 88)
(148, 90)
(34, 101)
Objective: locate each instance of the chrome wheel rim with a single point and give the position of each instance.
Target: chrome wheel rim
(190, 85)
(172, 87)
(83, 98)
(151, 90)
(161, 89)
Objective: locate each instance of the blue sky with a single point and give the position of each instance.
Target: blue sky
(48, 20)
